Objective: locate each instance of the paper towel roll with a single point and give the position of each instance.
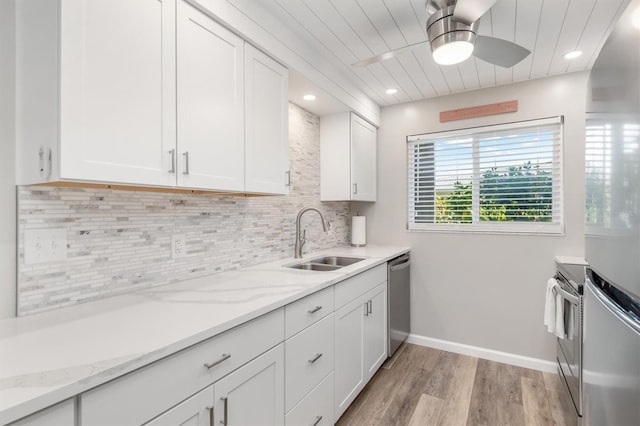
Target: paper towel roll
(358, 231)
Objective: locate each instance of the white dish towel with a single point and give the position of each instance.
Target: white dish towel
(554, 310)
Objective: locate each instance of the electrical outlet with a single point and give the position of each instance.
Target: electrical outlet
(178, 246)
(44, 245)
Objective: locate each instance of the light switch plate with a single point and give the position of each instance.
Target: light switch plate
(45, 245)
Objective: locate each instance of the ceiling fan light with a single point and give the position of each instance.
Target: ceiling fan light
(453, 52)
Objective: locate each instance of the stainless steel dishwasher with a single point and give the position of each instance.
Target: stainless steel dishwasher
(398, 298)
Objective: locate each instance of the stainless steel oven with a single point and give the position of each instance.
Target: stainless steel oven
(570, 287)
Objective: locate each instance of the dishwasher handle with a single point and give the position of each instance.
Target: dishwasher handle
(400, 263)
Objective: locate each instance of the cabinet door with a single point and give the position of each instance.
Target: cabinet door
(117, 85)
(363, 160)
(266, 124)
(195, 411)
(349, 355)
(210, 153)
(253, 394)
(375, 330)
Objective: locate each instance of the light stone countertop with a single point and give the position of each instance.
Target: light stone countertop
(48, 357)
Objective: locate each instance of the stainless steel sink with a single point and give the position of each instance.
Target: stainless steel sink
(315, 266)
(337, 260)
(326, 263)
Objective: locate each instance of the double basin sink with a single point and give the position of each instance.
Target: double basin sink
(326, 263)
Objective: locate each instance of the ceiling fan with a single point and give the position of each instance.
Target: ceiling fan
(452, 31)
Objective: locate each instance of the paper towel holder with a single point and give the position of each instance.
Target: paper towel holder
(362, 240)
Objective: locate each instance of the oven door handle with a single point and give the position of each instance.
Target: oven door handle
(566, 295)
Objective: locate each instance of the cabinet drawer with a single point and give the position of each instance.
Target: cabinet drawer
(304, 312)
(308, 358)
(145, 393)
(349, 289)
(316, 408)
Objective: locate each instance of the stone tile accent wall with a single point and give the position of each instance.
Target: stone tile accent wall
(119, 241)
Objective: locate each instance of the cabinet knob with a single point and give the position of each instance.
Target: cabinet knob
(318, 419)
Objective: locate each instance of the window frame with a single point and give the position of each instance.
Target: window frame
(491, 227)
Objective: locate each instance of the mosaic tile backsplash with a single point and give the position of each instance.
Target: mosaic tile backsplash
(120, 241)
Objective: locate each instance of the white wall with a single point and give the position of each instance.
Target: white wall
(474, 289)
(7, 161)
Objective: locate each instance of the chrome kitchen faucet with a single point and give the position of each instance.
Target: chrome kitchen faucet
(301, 236)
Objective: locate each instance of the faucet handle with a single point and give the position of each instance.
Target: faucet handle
(303, 237)
(328, 225)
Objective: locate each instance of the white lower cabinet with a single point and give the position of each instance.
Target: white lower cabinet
(175, 378)
(309, 359)
(253, 394)
(195, 411)
(315, 409)
(349, 361)
(375, 331)
(61, 414)
(360, 344)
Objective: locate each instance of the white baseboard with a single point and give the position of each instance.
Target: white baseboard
(490, 354)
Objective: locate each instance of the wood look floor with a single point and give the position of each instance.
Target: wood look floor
(422, 386)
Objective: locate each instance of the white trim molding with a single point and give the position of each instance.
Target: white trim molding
(484, 353)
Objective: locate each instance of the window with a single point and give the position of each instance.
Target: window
(503, 178)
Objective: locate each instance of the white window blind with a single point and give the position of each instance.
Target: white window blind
(503, 178)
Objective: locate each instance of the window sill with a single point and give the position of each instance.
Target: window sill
(544, 231)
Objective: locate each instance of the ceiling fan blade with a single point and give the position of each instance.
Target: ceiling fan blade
(469, 11)
(386, 55)
(499, 52)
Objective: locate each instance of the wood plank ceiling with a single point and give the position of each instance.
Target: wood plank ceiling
(351, 30)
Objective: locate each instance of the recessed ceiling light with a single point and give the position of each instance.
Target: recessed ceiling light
(309, 97)
(573, 55)
(391, 91)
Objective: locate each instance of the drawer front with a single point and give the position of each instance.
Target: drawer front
(304, 312)
(308, 358)
(349, 289)
(142, 394)
(316, 408)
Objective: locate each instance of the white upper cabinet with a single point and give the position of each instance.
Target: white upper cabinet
(363, 159)
(266, 124)
(210, 68)
(348, 158)
(146, 93)
(95, 90)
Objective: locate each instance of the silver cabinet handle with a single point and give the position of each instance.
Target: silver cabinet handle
(172, 152)
(213, 364)
(318, 418)
(315, 358)
(314, 310)
(225, 419)
(355, 188)
(366, 308)
(370, 307)
(210, 408)
(186, 162)
(288, 178)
